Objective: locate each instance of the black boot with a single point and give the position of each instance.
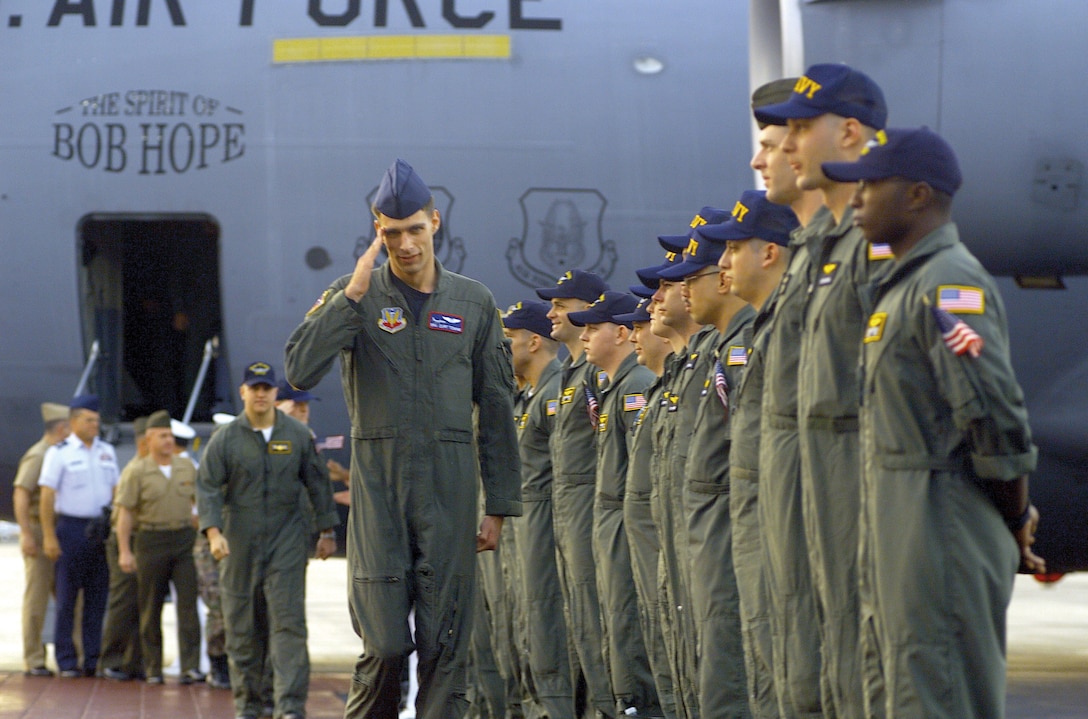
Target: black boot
(219, 676)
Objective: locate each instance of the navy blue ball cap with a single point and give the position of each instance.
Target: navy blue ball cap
(641, 313)
(830, 88)
(259, 373)
(605, 309)
(920, 155)
(529, 315)
(84, 401)
(701, 253)
(577, 284)
(754, 216)
(649, 276)
(286, 391)
(673, 243)
(402, 193)
(642, 291)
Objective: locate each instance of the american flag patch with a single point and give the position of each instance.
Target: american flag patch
(880, 251)
(632, 402)
(952, 298)
(550, 407)
(957, 334)
(335, 441)
(737, 356)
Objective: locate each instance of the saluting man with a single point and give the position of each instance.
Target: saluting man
(419, 347)
(946, 519)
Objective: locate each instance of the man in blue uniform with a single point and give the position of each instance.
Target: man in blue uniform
(419, 347)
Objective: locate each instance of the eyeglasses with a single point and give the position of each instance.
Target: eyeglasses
(690, 279)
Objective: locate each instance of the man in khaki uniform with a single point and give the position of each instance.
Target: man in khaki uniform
(38, 568)
(946, 519)
(122, 659)
(155, 496)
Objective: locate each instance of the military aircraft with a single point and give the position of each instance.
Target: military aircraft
(174, 171)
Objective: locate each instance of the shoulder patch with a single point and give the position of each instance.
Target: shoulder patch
(550, 407)
(880, 251)
(737, 356)
(634, 401)
(320, 302)
(961, 299)
(874, 329)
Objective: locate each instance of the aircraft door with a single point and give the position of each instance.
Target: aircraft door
(149, 294)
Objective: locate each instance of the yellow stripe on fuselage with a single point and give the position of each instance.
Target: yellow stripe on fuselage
(391, 47)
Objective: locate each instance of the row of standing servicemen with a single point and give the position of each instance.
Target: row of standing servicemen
(721, 518)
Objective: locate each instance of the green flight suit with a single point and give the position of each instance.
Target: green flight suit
(549, 660)
(746, 403)
(794, 617)
(249, 489)
(638, 523)
(844, 265)
(715, 606)
(673, 439)
(410, 385)
(937, 560)
(574, 476)
(621, 398)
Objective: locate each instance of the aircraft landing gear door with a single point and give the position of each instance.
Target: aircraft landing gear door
(149, 293)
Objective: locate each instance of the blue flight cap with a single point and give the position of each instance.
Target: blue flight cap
(577, 284)
(754, 216)
(402, 192)
(830, 88)
(607, 308)
(259, 373)
(649, 276)
(701, 252)
(84, 401)
(918, 154)
(286, 391)
(641, 313)
(529, 315)
(774, 92)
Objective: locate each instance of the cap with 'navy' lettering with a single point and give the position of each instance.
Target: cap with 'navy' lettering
(607, 308)
(576, 284)
(830, 88)
(755, 216)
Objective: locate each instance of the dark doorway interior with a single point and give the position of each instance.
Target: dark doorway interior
(150, 296)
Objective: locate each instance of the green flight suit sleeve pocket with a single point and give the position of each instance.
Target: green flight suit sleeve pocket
(453, 435)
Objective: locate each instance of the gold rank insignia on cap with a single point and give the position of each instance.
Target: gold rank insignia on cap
(807, 86)
(279, 446)
(874, 330)
(739, 211)
(881, 138)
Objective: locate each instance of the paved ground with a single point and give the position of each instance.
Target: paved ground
(1048, 657)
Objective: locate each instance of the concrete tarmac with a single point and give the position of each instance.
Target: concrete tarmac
(1047, 639)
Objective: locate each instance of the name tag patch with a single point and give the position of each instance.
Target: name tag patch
(874, 331)
(446, 323)
(828, 274)
(602, 423)
(279, 446)
(568, 395)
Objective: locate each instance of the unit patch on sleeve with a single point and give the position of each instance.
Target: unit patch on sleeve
(737, 356)
(279, 446)
(550, 407)
(958, 298)
(874, 330)
(446, 323)
(320, 302)
(632, 402)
